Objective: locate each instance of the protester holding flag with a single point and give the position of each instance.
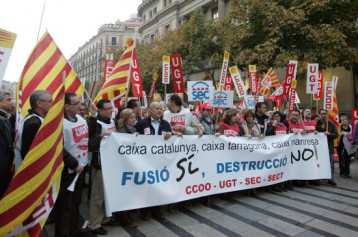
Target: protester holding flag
(154, 125)
(99, 127)
(7, 136)
(75, 158)
(181, 119)
(344, 158)
(40, 103)
(331, 133)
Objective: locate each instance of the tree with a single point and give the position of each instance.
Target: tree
(270, 33)
(201, 50)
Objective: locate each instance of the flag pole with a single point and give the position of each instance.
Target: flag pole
(130, 67)
(42, 14)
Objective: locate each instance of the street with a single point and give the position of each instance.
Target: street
(311, 211)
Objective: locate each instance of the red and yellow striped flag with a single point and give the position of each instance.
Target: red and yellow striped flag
(34, 188)
(274, 78)
(265, 85)
(116, 83)
(333, 115)
(43, 71)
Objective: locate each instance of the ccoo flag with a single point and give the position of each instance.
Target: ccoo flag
(44, 70)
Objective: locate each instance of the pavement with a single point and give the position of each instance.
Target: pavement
(311, 211)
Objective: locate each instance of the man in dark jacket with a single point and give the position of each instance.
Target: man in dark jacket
(99, 127)
(154, 125)
(75, 158)
(7, 136)
(260, 116)
(331, 133)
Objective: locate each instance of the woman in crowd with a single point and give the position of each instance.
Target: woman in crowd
(344, 158)
(126, 122)
(275, 127)
(229, 126)
(251, 129)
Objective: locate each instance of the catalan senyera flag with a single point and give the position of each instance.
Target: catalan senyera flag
(44, 71)
(265, 85)
(32, 193)
(274, 78)
(333, 115)
(116, 83)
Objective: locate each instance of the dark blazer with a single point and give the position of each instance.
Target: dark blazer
(7, 136)
(321, 127)
(164, 126)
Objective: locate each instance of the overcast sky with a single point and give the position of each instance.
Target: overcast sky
(70, 22)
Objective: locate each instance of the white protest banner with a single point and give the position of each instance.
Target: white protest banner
(200, 90)
(7, 41)
(238, 82)
(166, 69)
(224, 68)
(312, 78)
(142, 171)
(224, 98)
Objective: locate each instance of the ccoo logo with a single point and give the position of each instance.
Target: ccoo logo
(201, 91)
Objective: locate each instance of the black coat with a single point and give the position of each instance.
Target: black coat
(7, 136)
(164, 126)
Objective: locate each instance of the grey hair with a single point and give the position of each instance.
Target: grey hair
(36, 96)
(153, 104)
(3, 94)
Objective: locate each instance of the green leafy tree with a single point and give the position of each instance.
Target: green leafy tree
(201, 51)
(270, 33)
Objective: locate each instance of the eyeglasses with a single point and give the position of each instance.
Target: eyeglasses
(323, 113)
(109, 108)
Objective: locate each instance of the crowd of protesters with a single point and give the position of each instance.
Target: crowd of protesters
(96, 122)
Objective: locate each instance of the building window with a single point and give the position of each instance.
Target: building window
(144, 18)
(150, 14)
(167, 27)
(215, 14)
(113, 41)
(152, 39)
(154, 10)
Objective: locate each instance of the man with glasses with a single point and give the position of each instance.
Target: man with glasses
(40, 103)
(75, 158)
(331, 132)
(99, 126)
